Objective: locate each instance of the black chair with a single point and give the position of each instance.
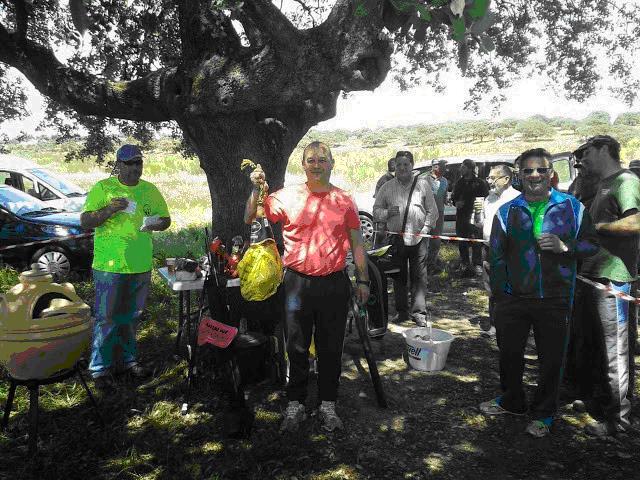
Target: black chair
(34, 392)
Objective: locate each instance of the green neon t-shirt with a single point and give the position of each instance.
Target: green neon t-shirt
(617, 259)
(119, 245)
(537, 213)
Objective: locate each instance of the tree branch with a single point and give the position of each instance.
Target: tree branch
(204, 30)
(22, 18)
(307, 10)
(267, 19)
(254, 35)
(144, 99)
(361, 50)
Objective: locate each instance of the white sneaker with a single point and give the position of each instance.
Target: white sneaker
(489, 333)
(293, 415)
(330, 420)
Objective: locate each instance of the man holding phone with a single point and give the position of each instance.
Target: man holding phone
(123, 210)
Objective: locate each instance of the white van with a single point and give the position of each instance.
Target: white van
(41, 183)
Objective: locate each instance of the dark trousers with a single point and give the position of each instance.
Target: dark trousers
(315, 306)
(466, 229)
(602, 351)
(633, 340)
(413, 267)
(549, 318)
(434, 243)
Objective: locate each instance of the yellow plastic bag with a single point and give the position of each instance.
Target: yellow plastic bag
(260, 271)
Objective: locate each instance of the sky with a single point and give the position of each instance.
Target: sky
(387, 106)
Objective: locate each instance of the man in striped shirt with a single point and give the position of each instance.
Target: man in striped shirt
(390, 207)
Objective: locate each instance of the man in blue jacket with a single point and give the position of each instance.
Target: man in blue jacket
(535, 242)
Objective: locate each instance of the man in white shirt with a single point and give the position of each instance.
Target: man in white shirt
(500, 192)
(391, 204)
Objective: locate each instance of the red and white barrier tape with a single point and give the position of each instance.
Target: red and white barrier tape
(597, 285)
(42, 242)
(439, 237)
(607, 288)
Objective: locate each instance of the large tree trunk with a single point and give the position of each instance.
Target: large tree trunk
(222, 144)
(232, 100)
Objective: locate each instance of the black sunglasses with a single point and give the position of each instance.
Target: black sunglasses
(137, 162)
(540, 170)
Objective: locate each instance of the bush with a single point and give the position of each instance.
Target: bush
(534, 129)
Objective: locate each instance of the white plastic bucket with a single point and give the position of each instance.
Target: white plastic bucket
(427, 355)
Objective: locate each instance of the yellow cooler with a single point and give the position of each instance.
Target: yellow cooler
(44, 326)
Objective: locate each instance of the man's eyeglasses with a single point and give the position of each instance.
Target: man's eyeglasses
(137, 162)
(540, 170)
(493, 179)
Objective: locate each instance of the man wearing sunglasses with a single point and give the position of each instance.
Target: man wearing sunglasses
(536, 240)
(604, 371)
(500, 192)
(123, 210)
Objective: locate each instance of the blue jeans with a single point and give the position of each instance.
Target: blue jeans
(120, 300)
(602, 343)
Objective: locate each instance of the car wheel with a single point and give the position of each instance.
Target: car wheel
(54, 260)
(366, 226)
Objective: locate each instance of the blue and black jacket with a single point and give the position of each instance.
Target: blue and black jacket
(519, 267)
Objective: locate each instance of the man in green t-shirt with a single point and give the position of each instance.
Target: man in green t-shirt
(603, 367)
(123, 210)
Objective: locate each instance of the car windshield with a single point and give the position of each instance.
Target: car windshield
(65, 187)
(20, 203)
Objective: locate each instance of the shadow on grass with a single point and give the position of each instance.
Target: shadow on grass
(431, 430)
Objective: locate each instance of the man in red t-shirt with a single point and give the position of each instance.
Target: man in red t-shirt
(320, 224)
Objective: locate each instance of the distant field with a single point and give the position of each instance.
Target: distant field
(357, 169)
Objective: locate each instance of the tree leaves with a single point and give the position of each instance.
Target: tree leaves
(79, 15)
(479, 8)
(12, 96)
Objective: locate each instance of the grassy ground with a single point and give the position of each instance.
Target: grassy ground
(432, 428)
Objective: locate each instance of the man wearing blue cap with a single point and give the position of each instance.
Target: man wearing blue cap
(123, 210)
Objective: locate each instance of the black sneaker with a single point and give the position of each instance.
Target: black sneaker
(104, 383)
(138, 371)
(400, 317)
(467, 272)
(419, 320)
(601, 429)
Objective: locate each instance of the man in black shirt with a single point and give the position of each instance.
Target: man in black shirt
(466, 190)
(391, 168)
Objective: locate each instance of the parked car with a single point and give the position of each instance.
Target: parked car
(41, 183)
(562, 164)
(25, 219)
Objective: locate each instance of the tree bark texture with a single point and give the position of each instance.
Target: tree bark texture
(231, 101)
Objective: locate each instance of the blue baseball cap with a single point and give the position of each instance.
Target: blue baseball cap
(126, 153)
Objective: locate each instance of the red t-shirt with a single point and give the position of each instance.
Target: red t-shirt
(315, 227)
